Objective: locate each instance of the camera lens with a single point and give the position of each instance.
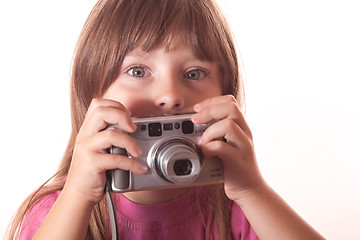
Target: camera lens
(176, 160)
(182, 167)
(187, 127)
(155, 129)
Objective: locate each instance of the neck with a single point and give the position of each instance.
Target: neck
(155, 196)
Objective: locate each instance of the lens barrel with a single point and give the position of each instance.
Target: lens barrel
(176, 160)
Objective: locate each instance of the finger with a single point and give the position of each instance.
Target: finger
(221, 150)
(218, 111)
(113, 137)
(109, 115)
(97, 102)
(214, 101)
(228, 130)
(106, 162)
(103, 113)
(224, 108)
(232, 159)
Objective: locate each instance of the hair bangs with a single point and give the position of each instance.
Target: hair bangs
(162, 23)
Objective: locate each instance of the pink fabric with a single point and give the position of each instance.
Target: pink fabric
(36, 215)
(184, 218)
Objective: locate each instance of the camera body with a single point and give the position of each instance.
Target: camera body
(169, 150)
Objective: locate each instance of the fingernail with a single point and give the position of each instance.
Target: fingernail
(143, 167)
(195, 117)
(133, 126)
(139, 151)
(197, 107)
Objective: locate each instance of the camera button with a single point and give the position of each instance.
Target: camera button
(168, 126)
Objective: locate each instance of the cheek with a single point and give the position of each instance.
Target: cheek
(213, 91)
(217, 90)
(118, 94)
(137, 104)
(214, 86)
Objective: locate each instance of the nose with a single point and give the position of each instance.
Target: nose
(169, 97)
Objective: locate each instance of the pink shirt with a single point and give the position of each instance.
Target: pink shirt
(184, 218)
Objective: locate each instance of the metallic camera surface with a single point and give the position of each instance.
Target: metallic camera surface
(169, 150)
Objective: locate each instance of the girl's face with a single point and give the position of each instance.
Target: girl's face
(164, 81)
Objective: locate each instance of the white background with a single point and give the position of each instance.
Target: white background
(302, 62)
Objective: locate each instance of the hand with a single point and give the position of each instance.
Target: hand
(90, 161)
(241, 172)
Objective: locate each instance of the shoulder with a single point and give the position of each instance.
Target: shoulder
(240, 226)
(36, 214)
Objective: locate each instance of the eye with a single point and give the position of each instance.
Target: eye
(138, 71)
(195, 74)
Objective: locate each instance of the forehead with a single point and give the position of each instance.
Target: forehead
(178, 40)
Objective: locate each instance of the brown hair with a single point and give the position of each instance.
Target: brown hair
(115, 27)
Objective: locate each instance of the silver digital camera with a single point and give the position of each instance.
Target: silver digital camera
(169, 150)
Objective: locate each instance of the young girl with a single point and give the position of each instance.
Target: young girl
(137, 58)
